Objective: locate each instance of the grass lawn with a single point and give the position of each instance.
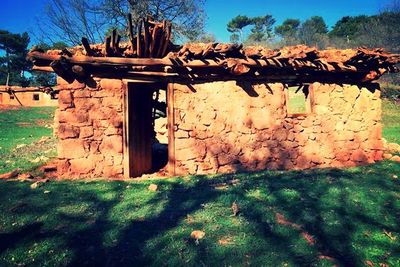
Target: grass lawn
(310, 218)
(391, 121)
(21, 143)
(345, 217)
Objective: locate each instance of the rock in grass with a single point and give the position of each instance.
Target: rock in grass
(10, 175)
(36, 185)
(197, 234)
(235, 208)
(25, 176)
(396, 158)
(387, 156)
(20, 146)
(153, 187)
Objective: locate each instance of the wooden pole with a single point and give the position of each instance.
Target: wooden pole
(130, 32)
(86, 45)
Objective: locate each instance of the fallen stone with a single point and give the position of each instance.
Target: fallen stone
(153, 187)
(392, 147)
(25, 176)
(387, 156)
(44, 139)
(10, 175)
(39, 159)
(197, 234)
(36, 185)
(396, 158)
(20, 146)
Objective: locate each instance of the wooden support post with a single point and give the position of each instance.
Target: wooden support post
(171, 129)
(139, 47)
(168, 38)
(130, 32)
(147, 39)
(116, 46)
(86, 45)
(125, 136)
(108, 50)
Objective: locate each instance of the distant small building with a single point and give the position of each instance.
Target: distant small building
(26, 96)
(227, 109)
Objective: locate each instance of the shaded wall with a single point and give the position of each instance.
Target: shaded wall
(226, 127)
(89, 125)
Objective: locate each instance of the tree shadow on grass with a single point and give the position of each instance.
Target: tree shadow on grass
(124, 224)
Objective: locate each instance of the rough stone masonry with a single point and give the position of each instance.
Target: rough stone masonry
(89, 123)
(221, 127)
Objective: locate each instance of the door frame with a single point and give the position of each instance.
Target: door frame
(128, 164)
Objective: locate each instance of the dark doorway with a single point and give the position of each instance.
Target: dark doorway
(144, 153)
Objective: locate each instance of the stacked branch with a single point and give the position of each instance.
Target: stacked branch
(152, 40)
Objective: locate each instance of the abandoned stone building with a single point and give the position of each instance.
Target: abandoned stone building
(226, 108)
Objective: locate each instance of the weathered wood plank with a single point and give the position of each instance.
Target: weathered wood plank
(130, 32)
(140, 129)
(86, 45)
(171, 129)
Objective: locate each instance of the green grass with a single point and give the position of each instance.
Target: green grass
(352, 215)
(391, 121)
(297, 101)
(20, 131)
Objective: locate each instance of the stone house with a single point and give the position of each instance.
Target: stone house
(226, 108)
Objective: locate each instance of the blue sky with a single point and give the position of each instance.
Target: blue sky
(21, 15)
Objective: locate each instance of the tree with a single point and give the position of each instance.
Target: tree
(187, 16)
(313, 31)
(69, 20)
(262, 29)
(381, 31)
(206, 38)
(288, 31)
(13, 64)
(288, 27)
(236, 25)
(234, 38)
(348, 27)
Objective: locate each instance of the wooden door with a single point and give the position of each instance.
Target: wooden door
(138, 132)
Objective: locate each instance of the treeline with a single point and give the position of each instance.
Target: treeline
(382, 30)
(14, 68)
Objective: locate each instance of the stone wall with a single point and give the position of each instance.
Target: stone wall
(89, 125)
(226, 127)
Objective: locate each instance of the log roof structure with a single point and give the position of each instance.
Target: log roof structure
(150, 55)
